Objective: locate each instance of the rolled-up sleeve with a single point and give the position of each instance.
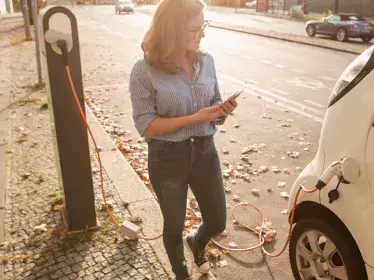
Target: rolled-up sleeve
(142, 97)
(217, 97)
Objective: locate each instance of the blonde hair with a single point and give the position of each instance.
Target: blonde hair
(164, 41)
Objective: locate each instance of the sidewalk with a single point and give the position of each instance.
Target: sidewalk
(226, 18)
(34, 242)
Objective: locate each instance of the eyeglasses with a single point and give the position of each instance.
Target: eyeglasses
(200, 30)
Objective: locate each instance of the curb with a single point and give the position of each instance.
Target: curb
(131, 189)
(238, 29)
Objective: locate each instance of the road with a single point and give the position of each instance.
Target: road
(287, 88)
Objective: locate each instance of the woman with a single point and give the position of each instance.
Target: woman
(176, 107)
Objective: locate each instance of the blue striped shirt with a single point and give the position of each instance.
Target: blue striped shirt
(155, 93)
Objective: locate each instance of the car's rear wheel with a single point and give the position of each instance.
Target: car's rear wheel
(366, 39)
(311, 31)
(321, 249)
(341, 35)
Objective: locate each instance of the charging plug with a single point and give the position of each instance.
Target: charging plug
(63, 46)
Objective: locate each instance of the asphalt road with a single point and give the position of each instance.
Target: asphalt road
(287, 88)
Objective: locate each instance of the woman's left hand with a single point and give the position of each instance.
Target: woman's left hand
(228, 107)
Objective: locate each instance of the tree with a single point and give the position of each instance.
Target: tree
(336, 6)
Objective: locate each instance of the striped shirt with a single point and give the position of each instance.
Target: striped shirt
(155, 94)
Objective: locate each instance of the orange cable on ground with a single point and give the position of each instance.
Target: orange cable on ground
(258, 232)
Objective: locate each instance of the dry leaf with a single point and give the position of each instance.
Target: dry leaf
(213, 253)
(255, 192)
(263, 169)
(226, 163)
(233, 245)
(281, 184)
(222, 263)
(275, 170)
(232, 140)
(41, 228)
(235, 198)
(286, 171)
(285, 195)
(236, 125)
(225, 151)
(285, 212)
(269, 235)
(23, 138)
(222, 130)
(293, 154)
(228, 189)
(193, 203)
(266, 116)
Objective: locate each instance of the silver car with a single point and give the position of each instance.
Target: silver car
(126, 6)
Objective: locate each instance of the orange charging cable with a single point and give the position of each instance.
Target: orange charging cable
(261, 240)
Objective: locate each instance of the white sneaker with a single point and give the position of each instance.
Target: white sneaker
(201, 263)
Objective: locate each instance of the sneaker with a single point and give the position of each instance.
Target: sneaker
(201, 263)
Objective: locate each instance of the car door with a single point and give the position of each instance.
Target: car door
(330, 26)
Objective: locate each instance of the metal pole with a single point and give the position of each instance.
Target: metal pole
(26, 19)
(34, 5)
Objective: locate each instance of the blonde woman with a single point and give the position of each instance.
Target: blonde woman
(176, 107)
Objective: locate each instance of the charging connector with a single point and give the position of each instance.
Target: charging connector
(130, 230)
(63, 46)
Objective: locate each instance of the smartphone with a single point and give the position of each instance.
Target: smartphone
(235, 95)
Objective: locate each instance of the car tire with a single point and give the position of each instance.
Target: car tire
(366, 39)
(344, 254)
(341, 35)
(311, 30)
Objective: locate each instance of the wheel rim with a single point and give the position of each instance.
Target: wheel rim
(310, 30)
(341, 35)
(318, 258)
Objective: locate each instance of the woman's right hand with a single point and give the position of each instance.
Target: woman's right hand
(207, 114)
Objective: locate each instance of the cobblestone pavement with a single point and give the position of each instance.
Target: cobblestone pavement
(37, 245)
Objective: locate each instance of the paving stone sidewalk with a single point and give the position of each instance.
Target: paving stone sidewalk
(36, 244)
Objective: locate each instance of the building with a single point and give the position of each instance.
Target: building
(365, 7)
(6, 6)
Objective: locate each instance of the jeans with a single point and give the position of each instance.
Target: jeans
(173, 166)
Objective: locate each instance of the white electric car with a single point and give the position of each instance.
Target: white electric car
(333, 236)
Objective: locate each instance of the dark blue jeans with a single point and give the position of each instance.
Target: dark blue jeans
(173, 166)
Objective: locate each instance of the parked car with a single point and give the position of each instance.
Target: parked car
(342, 26)
(332, 237)
(125, 6)
(251, 5)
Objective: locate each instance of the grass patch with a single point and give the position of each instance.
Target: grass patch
(35, 85)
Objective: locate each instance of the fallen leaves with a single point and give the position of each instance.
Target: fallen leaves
(285, 195)
(41, 228)
(293, 154)
(275, 170)
(235, 198)
(23, 138)
(281, 184)
(255, 192)
(233, 245)
(285, 212)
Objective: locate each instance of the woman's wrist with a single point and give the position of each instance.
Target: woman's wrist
(192, 119)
